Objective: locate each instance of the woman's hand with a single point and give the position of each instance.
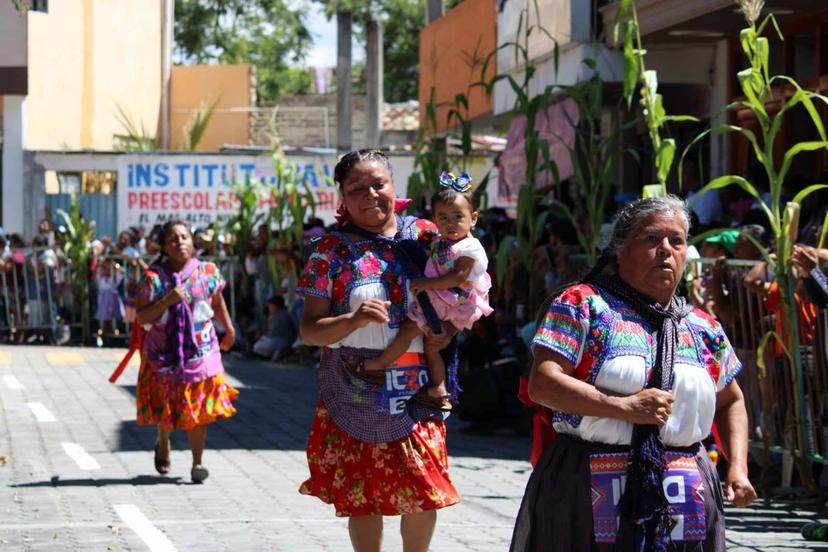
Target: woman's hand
(371, 310)
(228, 340)
(804, 258)
(649, 407)
(174, 296)
(738, 489)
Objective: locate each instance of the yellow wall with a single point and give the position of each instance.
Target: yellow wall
(198, 86)
(86, 56)
(447, 46)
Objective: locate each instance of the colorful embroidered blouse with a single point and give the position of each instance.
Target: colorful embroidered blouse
(614, 349)
(200, 286)
(348, 272)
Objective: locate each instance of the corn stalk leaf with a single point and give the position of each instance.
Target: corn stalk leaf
(795, 150)
(763, 343)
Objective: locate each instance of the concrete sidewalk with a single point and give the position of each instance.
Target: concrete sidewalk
(77, 472)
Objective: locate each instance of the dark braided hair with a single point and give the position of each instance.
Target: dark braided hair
(627, 221)
(352, 159)
(162, 238)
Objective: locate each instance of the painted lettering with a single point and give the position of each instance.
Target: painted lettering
(182, 172)
(162, 177)
(143, 174)
(247, 168)
(310, 176)
(674, 489)
(209, 168)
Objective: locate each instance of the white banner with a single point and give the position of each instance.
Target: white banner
(197, 188)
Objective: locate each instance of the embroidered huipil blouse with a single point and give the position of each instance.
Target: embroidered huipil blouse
(614, 349)
(349, 271)
(200, 286)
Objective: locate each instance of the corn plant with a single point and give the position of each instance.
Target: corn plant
(429, 157)
(293, 202)
(529, 224)
(243, 224)
(198, 126)
(593, 158)
(626, 32)
(136, 138)
(78, 251)
(759, 88)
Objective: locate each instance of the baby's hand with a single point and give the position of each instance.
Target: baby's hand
(417, 285)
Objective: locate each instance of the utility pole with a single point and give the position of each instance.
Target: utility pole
(374, 82)
(167, 38)
(344, 101)
(434, 10)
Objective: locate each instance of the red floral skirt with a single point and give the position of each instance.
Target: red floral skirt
(361, 479)
(176, 405)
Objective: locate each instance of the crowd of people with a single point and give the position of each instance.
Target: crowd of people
(628, 358)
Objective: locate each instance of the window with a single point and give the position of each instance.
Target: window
(40, 6)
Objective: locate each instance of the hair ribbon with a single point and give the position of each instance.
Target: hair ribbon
(460, 183)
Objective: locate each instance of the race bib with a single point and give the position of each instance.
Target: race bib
(402, 380)
(683, 488)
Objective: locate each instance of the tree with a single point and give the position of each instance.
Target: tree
(267, 33)
(402, 21)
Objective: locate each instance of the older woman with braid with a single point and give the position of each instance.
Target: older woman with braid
(635, 378)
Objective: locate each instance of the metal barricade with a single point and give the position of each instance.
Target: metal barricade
(42, 295)
(772, 396)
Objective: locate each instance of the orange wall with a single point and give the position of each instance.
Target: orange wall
(197, 86)
(447, 47)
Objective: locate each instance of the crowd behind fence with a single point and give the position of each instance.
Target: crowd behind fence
(41, 302)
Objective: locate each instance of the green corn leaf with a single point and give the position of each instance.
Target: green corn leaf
(664, 158)
(537, 230)
(681, 118)
(763, 343)
(795, 150)
(653, 190)
(631, 69)
(746, 39)
(763, 53)
(770, 17)
(824, 232)
(798, 198)
(805, 98)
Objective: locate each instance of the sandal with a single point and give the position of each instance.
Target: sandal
(441, 403)
(162, 465)
(356, 368)
(199, 474)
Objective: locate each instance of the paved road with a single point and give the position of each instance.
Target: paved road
(76, 471)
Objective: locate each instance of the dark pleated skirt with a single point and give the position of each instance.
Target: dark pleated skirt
(556, 512)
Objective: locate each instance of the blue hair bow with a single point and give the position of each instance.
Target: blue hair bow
(460, 183)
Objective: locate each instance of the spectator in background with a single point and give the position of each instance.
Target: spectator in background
(757, 281)
(40, 267)
(807, 260)
(110, 306)
(281, 331)
(132, 262)
(138, 240)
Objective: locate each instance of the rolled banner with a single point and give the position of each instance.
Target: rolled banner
(136, 341)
